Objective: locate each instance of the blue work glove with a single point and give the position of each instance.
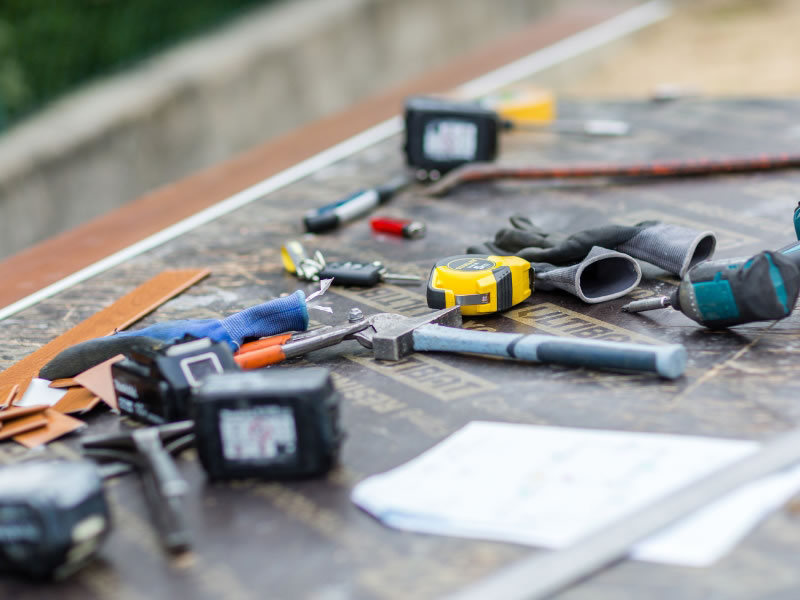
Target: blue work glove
(273, 317)
(276, 316)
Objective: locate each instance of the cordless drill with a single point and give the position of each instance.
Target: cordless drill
(724, 293)
(796, 220)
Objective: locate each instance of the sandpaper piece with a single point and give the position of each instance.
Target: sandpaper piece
(57, 425)
(39, 392)
(7, 395)
(119, 315)
(77, 400)
(98, 380)
(63, 383)
(16, 412)
(18, 426)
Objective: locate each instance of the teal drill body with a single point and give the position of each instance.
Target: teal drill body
(723, 293)
(796, 220)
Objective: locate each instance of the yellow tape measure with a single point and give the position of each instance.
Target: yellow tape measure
(479, 283)
(523, 103)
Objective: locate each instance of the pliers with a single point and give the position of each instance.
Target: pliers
(277, 348)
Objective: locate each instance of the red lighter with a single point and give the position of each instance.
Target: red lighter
(403, 227)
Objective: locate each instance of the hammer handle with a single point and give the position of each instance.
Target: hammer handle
(668, 361)
(165, 489)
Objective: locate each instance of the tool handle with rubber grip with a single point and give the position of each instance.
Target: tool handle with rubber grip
(165, 489)
(260, 358)
(668, 361)
(275, 340)
(347, 209)
(352, 273)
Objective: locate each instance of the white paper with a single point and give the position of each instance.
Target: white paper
(706, 536)
(549, 486)
(39, 393)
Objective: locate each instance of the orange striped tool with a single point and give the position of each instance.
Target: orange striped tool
(263, 352)
(275, 349)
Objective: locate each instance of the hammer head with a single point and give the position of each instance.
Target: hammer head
(393, 337)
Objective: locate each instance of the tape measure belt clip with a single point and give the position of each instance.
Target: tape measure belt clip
(472, 299)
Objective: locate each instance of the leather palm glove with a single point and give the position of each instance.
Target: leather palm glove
(671, 247)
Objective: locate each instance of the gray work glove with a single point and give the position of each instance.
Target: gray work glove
(603, 275)
(671, 247)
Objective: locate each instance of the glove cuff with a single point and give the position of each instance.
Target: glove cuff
(671, 247)
(603, 275)
(273, 317)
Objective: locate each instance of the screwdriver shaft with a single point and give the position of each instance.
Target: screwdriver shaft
(647, 304)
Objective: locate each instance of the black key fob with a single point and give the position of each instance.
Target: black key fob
(352, 273)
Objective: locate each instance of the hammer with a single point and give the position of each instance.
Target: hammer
(149, 449)
(393, 336)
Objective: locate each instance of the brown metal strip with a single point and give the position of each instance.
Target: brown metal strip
(64, 254)
(76, 401)
(99, 381)
(7, 395)
(16, 412)
(125, 311)
(63, 383)
(57, 425)
(25, 424)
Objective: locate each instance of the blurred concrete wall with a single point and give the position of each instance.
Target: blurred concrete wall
(204, 101)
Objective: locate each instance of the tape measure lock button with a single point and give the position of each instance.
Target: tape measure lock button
(479, 284)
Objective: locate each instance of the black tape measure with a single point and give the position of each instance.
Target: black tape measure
(273, 424)
(442, 134)
(479, 283)
(53, 517)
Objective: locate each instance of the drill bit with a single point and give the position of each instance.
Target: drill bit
(647, 304)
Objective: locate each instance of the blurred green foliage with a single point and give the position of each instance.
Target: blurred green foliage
(48, 47)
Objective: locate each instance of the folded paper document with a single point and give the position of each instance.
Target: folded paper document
(550, 486)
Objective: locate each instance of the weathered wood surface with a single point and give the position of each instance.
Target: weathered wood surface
(305, 539)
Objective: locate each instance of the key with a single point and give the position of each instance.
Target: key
(297, 261)
(362, 274)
